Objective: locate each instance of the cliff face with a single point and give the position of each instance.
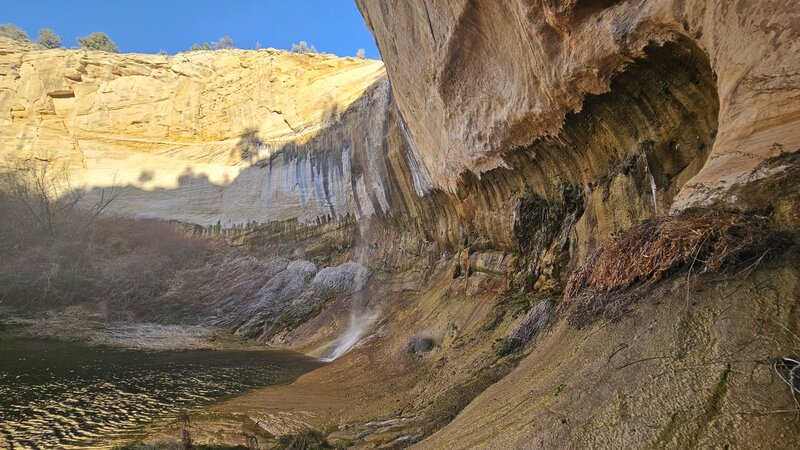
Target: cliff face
(521, 136)
(181, 134)
(477, 79)
(509, 141)
(238, 137)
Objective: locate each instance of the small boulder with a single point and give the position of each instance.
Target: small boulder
(420, 344)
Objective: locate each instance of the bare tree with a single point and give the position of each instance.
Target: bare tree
(225, 42)
(303, 47)
(42, 197)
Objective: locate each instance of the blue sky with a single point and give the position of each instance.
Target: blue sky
(148, 26)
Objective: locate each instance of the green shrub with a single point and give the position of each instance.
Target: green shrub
(48, 38)
(12, 31)
(98, 41)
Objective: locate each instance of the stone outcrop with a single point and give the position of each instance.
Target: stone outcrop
(181, 133)
(506, 142)
(475, 79)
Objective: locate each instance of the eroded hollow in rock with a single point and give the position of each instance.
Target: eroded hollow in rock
(617, 162)
(628, 151)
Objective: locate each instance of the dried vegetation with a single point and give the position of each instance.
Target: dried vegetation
(698, 240)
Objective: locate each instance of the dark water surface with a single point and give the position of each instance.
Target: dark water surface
(58, 395)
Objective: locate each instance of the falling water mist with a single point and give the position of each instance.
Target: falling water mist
(360, 318)
(358, 325)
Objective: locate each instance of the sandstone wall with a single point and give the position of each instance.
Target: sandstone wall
(476, 79)
(182, 134)
(635, 108)
(513, 138)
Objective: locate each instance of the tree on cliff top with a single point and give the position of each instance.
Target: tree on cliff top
(223, 43)
(196, 47)
(49, 39)
(361, 54)
(303, 47)
(12, 31)
(98, 41)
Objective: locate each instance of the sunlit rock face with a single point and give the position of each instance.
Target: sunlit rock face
(359, 160)
(476, 79)
(640, 107)
(330, 174)
(187, 136)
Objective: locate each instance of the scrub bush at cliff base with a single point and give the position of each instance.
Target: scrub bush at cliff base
(697, 240)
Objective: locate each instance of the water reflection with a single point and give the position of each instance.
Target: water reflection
(56, 395)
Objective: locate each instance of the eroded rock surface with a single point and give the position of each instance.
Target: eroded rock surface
(509, 140)
(476, 79)
(182, 134)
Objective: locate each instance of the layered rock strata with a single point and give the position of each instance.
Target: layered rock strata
(476, 79)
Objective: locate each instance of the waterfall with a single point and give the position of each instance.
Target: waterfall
(360, 322)
(360, 319)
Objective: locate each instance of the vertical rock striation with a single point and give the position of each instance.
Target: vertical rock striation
(182, 134)
(477, 79)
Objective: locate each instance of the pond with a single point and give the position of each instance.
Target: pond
(60, 395)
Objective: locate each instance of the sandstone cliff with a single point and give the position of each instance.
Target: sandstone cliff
(475, 79)
(535, 131)
(181, 133)
(507, 143)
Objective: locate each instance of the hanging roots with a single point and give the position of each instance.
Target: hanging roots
(699, 240)
(789, 371)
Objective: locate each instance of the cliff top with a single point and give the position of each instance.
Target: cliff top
(13, 45)
(192, 96)
(194, 121)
